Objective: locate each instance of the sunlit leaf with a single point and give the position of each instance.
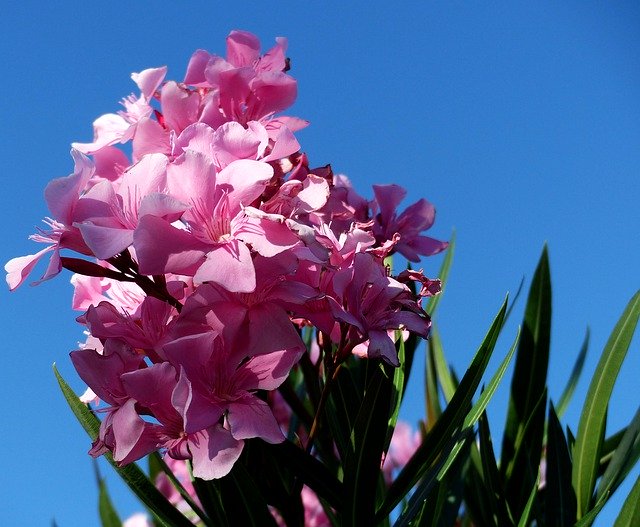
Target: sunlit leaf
(623, 460)
(630, 513)
(586, 451)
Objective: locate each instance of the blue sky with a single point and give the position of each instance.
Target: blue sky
(520, 122)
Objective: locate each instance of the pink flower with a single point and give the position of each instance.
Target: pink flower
(114, 128)
(107, 217)
(62, 197)
(409, 224)
(215, 245)
(245, 87)
(376, 303)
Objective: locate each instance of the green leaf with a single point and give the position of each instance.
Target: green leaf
(243, 502)
(396, 391)
(630, 513)
(432, 481)
(526, 459)
(530, 374)
(362, 464)
(526, 511)
(560, 498)
(108, 514)
(311, 471)
(623, 460)
(588, 518)
(448, 425)
(567, 393)
(586, 451)
(491, 477)
(342, 407)
(443, 275)
(481, 404)
(165, 513)
(445, 378)
(524, 429)
(158, 465)
(431, 392)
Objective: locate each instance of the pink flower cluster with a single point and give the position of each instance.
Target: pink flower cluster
(208, 244)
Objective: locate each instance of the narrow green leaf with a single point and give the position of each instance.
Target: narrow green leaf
(630, 513)
(158, 465)
(210, 497)
(243, 502)
(623, 460)
(567, 393)
(515, 300)
(108, 514)
(450, 422)
(588, 518)
(495, 501)
(530, 373)
(443, 275)
(586, 452)
(311, 471)
(429, 485)
(342, 408)
(526, 512)
(362, 464)
(165, 513)
(560, 498)
(397, 391)
(433, 409)
(445, 378)
(481, 404)
(525, 463)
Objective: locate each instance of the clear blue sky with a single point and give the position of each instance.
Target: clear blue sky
(521, 124)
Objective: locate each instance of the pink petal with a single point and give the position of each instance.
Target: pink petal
(243, 48)
(150, 138)
(107, 130)
(62, 193)
(178, 253)
(271, 330)
(195, 68)
(270, 370)
(105, 242)
(19, 268)
(163, 206)
(148, 80)
(388, 198)
(110, 162)
(229, 265)
(252, 417)
(179, 106)
(146, 176)
(247, 179)
(214, 451)
(267, 237)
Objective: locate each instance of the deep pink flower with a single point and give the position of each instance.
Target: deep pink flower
(376, 303)
(409, 224)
